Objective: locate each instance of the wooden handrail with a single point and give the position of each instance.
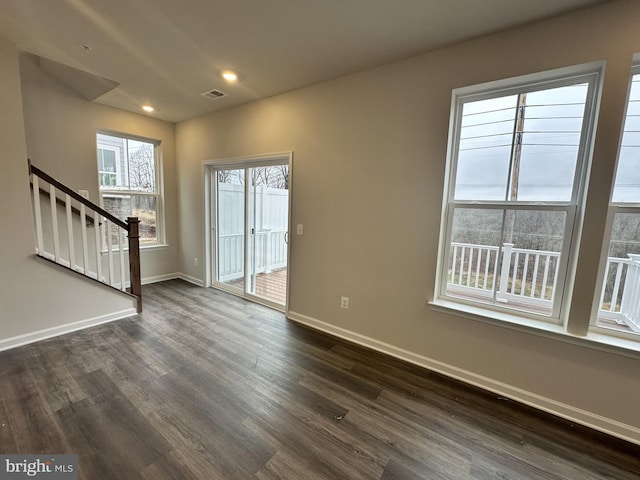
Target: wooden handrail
(76, 196)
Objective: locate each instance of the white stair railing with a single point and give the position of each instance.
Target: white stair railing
(82, 214)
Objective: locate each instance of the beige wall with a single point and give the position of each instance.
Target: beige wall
(34, 295)
(369, 160)
(60, 131)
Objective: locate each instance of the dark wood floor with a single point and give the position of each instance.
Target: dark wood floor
(206, 386)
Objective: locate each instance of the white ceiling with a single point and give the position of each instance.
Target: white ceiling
(167, 52)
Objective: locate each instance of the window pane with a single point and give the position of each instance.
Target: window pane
(627, 184)
(473, 254)
(107, 167)
(142, 174)
(142, 206)
(506, 257)
(107, 179)
(484, 153)
(145, 208)
(620, 300)
(552, 124)
(106, 160)
(111, 160)
(540, 158)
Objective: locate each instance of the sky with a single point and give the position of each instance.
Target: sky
(627, 185)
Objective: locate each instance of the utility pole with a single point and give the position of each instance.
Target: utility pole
(516, 154)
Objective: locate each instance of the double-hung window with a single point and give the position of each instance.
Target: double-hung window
(129, 175)
(619, 299)
(516, 175)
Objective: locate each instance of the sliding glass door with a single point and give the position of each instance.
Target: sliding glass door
(251, 220)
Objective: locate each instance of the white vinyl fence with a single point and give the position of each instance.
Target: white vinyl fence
(271, 228)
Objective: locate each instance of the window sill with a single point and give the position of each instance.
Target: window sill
(597, 341)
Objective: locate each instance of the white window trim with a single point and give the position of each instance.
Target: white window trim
(590, 72)
(610, 335)
(160, 241)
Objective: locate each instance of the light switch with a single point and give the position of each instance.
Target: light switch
(299, 229)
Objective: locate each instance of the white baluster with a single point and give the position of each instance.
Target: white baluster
(478, 266)
(107, 225)
(515, 273)
(453, 264)
(534, 282)
(38, 214)
(616, 288)
(96, 226)
(486, 270)
(121, 248)
(525, 271)
(83, 230)
(545, 276)
(72, 253)
(54, 222)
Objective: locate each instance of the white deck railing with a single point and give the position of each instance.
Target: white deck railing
(513, 273)
(620, 298)
(270, 253)
(528, 277)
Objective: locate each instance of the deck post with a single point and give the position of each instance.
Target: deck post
(134, 260)
(504, 272)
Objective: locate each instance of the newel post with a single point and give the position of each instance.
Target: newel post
(134, 260)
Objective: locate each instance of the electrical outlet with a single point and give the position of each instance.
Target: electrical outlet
(344, 302)
(195, 261)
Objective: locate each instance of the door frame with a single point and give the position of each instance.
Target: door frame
(208, 168)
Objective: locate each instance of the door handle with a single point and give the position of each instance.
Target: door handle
(286, 237)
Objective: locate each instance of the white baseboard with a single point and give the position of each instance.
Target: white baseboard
(190, 279)
(568, 412)
(168, 276)
(159, 278)
(17, 341)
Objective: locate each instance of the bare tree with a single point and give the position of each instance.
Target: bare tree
(275, 177)
(142, 175)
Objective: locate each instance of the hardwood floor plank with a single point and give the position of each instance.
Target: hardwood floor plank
(285, 465)
(206, 386)
(30, 418)
(117, 427)
(7, 441)
(52, 378)
(101, 466)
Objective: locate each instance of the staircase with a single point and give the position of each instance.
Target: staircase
(77, 234)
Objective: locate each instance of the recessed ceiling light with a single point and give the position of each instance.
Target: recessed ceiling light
(229, 76)
(148, 108)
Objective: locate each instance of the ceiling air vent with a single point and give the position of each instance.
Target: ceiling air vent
(214, 94)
